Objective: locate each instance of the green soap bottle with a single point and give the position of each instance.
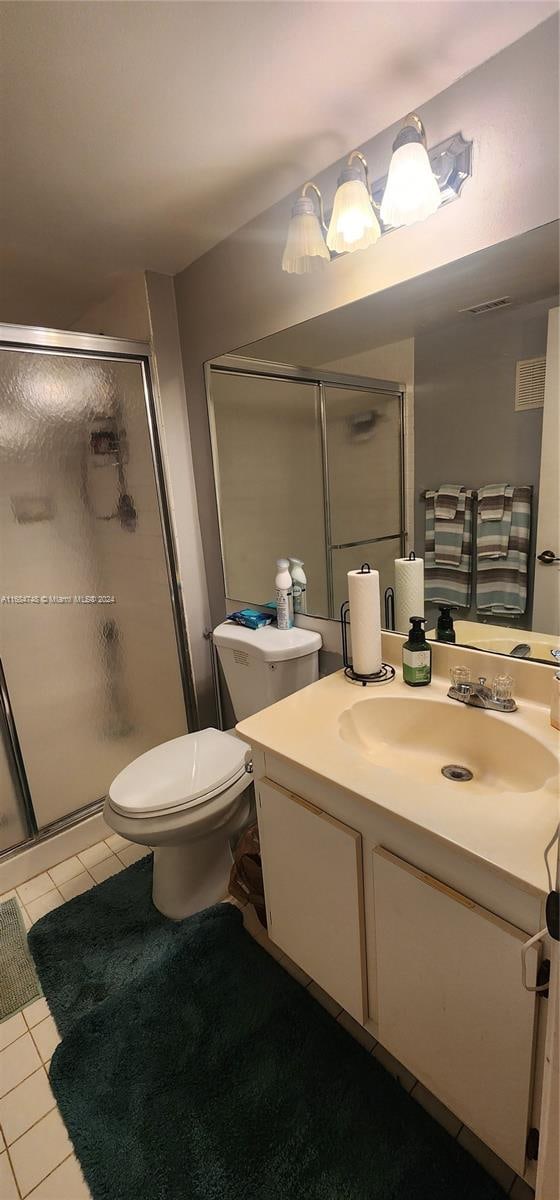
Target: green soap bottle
(417, 656)
(445, 631)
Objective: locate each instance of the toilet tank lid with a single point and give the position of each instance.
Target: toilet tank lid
(269, 643)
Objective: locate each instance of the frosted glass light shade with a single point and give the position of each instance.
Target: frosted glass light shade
(305, 249)
(412, 191)
(353, 224)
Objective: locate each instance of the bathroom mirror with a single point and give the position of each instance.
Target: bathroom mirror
(335, 442)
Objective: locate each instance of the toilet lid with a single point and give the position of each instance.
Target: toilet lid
(179, 773)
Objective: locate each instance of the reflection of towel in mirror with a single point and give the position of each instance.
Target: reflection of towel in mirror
(495, 503)
(449, 510)
(449, 582)
(501, 578)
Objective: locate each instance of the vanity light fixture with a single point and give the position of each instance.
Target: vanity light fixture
(306, 248)
(418, 182)
(353, 224)
(412, 190)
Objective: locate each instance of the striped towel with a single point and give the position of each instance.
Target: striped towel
(449, 583)
(495, 503)
(449, 509)
(501, 583)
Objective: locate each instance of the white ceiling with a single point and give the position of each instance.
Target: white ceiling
(137, 135)
(525, 268)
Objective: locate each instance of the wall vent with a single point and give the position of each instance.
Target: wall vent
(241, 658)
(487, 306)
(529, 383)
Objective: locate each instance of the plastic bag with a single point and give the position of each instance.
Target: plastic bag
(246, 878)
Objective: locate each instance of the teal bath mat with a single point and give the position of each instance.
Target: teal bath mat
(193, 1067)
(18, 981)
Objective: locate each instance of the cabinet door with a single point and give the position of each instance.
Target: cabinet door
(451, 1002)
(312, 867)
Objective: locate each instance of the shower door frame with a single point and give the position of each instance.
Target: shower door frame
(237, 364)
(33, 339)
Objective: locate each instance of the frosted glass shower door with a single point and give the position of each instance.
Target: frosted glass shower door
(269, 471)
(364, 444)
(87, 635)
(364, 434)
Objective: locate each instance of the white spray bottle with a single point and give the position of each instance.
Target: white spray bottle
(284, 595)
(299, 585)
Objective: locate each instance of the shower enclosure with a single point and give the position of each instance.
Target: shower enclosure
(93, 662)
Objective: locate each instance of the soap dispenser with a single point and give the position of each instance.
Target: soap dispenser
(445, 631)
(417, 655)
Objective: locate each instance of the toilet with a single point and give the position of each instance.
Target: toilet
(188, 798)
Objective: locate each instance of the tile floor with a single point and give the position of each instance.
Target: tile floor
(36, 1156)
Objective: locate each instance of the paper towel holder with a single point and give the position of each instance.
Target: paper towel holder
(386, 672)
(390, 608)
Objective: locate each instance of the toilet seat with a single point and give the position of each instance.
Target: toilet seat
(185, 773)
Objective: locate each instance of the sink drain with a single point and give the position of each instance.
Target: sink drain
(456, 773)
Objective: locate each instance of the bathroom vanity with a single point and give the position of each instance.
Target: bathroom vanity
(407, 896)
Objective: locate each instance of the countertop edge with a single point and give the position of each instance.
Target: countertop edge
(518, 881)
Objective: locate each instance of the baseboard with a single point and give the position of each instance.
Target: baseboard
(30, 861)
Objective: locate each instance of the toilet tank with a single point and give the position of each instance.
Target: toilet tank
(264, 665)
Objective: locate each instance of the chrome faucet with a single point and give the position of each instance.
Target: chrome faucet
(478, 695)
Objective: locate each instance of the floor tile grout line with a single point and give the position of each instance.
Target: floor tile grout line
(37, 1122)
(30, 880)
(19, 1037)
(50, 1017)
(34, 1123)
(47, 1176)
(32, 899)
(18, 1189)
(33, 1072)
(22, 1010)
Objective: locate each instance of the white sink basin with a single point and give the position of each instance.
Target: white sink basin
(417, 737)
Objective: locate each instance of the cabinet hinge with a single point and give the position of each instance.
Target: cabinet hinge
(543, 978)
(553, 915)
(532, 1145)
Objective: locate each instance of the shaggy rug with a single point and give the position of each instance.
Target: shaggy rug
(192, 1067)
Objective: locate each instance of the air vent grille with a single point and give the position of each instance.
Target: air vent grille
(487, 306)
(241, 658)
(529, 383)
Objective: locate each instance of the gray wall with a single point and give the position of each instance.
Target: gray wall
(237, 293)
(466, 429)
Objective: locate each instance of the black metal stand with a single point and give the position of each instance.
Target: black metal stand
(384, 675)
(390, 608)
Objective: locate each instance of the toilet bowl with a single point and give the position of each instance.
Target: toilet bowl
(186, 799)
(189, 797)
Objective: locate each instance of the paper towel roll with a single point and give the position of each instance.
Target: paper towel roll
(365, 621)
(409, 591)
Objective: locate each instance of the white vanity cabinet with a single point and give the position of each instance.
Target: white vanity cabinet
(313, 878)
(432, 973)
(451, 1003)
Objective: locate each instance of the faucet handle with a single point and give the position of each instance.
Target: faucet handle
(460, 676)
(482, 680)
(502, 688)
